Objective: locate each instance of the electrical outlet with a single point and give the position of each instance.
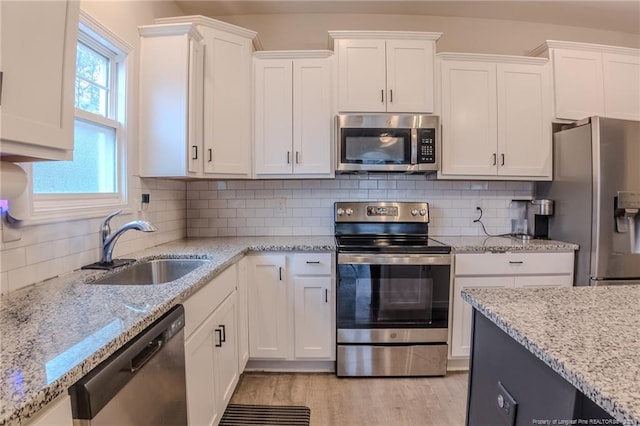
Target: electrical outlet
(281, 205)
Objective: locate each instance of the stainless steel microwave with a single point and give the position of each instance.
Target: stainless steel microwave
(388, 143)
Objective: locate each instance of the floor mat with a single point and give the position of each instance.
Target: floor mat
(240, 414)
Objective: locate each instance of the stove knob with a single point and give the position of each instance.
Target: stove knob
(414, 212)
(423, 212)
(340, 211)
(349, 212)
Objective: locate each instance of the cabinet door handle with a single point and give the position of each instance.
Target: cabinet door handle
(195, 152)
(224, 333)
(210, 155)
(495, 159)
(297, 157)
(502, 159)
(391, 95)
(514, 262)
(288, 157)
(326, 296)
(313, 262)
(382, 95)
(280, 273)
(1, 74)
(219, 333)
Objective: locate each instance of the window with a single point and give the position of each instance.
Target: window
(95, 180)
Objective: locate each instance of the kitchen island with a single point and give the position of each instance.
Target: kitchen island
(576, 348)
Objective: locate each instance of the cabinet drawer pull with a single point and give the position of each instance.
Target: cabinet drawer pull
(382, 95)
(280, 273)
(516, 262)
(297, 157)
(313, 262)
(391, 95)
(195, 152)
(502, 159)
(224, 333)
(288, 157)
(219, 333)
(326, 296)
(210, 155)
(495, 159)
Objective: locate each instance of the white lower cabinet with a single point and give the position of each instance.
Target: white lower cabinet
(57, 413)
(211, 348)
(291, 306)
(501, 270)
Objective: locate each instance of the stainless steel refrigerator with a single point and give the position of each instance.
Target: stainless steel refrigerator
(596, 189)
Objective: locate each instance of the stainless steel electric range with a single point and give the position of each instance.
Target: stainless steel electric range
(392, 291)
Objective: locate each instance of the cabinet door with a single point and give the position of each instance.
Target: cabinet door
(268, 307)
(312, 317)
(462, 311)
(409, 75)
(621, 86)
(227, 103)
(196, 108)
(578, 84)
(469, 108)
(38, 107)
(56, 413)
(243, 316)
(226, 351)
(273, 116)
(361, 76)
(524, 120)
(201, 376)
(312, 118)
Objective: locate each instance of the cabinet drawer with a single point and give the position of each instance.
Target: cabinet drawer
(201, 304)
(514, 263)
(312, 264)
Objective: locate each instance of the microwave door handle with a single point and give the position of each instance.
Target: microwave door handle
(414, 146)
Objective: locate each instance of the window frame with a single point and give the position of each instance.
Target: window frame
(46, 208)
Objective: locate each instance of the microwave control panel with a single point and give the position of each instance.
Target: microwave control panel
(426, 146)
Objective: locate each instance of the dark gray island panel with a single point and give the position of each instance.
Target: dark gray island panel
(508, 385)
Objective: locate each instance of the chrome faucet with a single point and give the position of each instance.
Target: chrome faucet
(108, 239)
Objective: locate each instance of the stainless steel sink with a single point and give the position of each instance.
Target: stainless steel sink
(157, 271)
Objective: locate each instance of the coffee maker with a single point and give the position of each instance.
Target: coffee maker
(538, 213)
(530, 218)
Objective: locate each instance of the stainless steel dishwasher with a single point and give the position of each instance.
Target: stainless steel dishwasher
(143, 383)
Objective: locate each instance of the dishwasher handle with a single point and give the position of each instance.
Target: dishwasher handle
(138, 361)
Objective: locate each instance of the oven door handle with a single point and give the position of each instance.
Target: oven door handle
(394, 259)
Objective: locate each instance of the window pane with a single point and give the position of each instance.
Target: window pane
(92, 80)
(93, 169)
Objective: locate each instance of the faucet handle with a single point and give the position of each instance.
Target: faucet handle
(105, 228)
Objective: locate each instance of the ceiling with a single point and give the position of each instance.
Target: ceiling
(622, 16)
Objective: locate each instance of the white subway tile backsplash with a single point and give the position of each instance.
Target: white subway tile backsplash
(309, 203)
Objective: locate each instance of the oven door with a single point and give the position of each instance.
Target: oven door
(376, 149)
(392, 291)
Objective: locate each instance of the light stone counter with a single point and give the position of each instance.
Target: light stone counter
(590, 336)
(55, 332)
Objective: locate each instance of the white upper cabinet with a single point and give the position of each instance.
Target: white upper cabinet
(293, 114)
(36, 107)
(385, 71)
(171, 82)
(227, 139)
(591, 79)
(496, 117)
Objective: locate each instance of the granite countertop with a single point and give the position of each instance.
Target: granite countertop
(53, 333)
(504, 244)
(588, 335)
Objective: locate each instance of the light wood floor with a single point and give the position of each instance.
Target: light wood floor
(435, 401)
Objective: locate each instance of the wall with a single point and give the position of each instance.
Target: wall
(247, 208)
(47, 250)
(470, 35)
